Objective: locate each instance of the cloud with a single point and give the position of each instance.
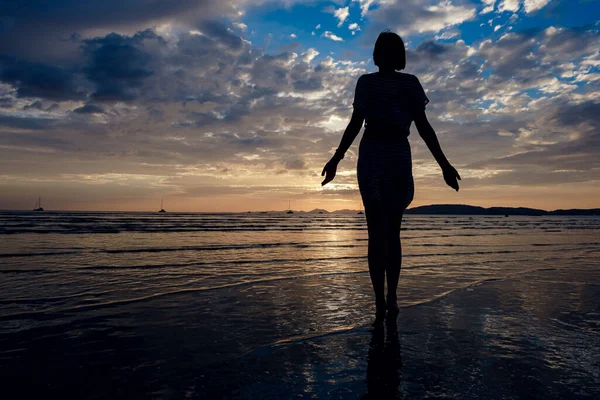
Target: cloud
(295, 163)
(341, 14)
(332, 36)
(118, 65)
(413, 16)
(39, 27)
(534, 5)
(89, 109)
(448, 34)
(26, 123)
(192, 101)
(489, 6)
(309, 55)
(219, 32)
(354, 28)
(192, 106)
(509, 5)
(32, 79)
(241, 26)
(365, 5)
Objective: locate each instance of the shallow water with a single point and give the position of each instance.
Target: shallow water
(158, 304)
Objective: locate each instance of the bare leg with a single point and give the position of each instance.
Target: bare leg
(394, 259)
(376, 224)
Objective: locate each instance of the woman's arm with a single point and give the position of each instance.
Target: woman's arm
(428, 134)
(352, 130)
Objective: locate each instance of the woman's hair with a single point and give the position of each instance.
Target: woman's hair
(389, 51)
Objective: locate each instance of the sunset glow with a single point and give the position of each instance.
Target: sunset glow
(236, 105)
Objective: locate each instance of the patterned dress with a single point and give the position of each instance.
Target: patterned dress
(388, 102)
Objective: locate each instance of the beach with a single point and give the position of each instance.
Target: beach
(273, 306)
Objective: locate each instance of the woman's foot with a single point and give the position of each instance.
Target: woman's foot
(392, 314)
(392, 303)
(379, 316)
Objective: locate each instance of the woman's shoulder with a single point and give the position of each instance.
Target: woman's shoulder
(407, 77)
(399, 76)
(367, 77)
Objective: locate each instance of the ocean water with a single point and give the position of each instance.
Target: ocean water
(148, 305)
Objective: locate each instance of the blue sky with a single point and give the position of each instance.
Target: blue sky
(236, 105)
(302, 19)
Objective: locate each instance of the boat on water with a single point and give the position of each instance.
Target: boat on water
(289, 211)
(162, 210)
(38, 205)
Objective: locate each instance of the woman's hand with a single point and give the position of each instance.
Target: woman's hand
(450, 176)
(329, 171)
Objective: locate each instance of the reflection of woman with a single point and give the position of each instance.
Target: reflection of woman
(388, 102)
(384, 363)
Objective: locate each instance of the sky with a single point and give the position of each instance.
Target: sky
(236, 105)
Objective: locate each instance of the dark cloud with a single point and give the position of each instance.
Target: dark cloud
(118, 65)
(39, 106)
(304, 78)
(431, 47)
(219, 32)
(572, 115)
(567, 42)
(36, 105)
(53, 107)
(89, 109)
(27, 123)
(6, 102)
(41, 28)
(33, 79)
(295, 163)
(565, 161)
(512, 56)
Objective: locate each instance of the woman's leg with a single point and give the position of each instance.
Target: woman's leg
(394, 258)
(376, 225)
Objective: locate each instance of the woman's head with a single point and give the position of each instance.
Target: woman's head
(389, 52)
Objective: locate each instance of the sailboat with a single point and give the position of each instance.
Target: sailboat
(289, 211)
(38, 205)
(162, 210)
(361, 211)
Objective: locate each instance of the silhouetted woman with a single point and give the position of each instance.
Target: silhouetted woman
(388, 101)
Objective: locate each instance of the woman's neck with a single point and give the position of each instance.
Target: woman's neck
(386, 71)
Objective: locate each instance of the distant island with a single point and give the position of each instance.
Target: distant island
(463, 209)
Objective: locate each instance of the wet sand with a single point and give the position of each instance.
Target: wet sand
(505, 339)
(524, 337)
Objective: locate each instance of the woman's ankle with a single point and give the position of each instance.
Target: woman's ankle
(392, 302)
(380, 302)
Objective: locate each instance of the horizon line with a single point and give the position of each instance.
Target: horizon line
(304, 211)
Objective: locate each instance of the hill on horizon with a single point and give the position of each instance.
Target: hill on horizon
(464, 209)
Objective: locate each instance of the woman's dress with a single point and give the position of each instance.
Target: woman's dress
(388, 102)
